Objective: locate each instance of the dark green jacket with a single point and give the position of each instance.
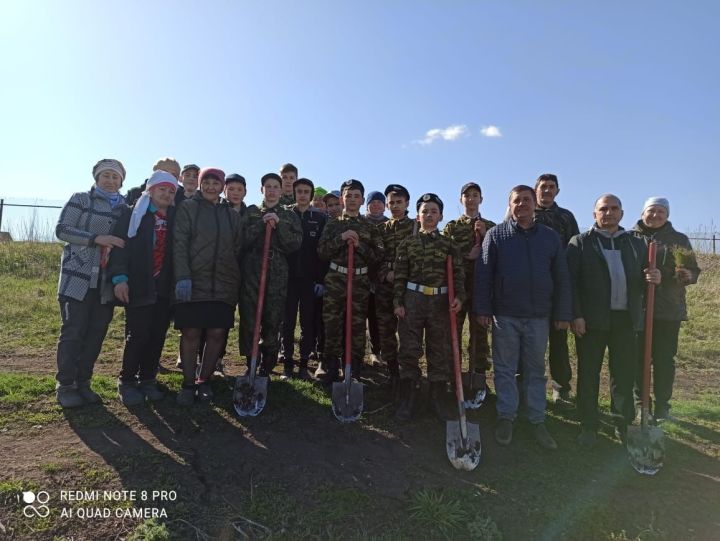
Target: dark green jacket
(670, 302)
(590, 278)
(206, 249)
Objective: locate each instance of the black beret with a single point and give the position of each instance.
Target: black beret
(469, 185)
(430, 198)
(307, 182)
(398, 189)
(353, 184)
(234, 177)
(270, 176)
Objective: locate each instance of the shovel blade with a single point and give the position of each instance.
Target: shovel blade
(347, 401)
(463, 454)
(249, 397)
(475, 388)
(646, 449)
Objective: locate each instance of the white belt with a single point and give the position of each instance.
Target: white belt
(425, 290)
(344, 270)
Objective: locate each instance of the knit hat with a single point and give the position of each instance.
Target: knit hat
(320, 192)
(270, 176)
(353, 184)
(234, 177)
(141, 205)
(430, 198)
(469, 185)
(659, 201)
(398, 189)
(206, 172)
(307, 182)
(170, 165)
(375, 196)
(108, 164)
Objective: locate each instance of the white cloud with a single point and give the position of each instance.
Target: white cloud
(490, 131)
(451, 133)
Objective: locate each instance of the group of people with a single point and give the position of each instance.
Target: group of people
(184, 247)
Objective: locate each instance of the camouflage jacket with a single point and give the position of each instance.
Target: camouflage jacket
(421, 260)
(332, 248)
(462, 232)
(286, 200)
(286, 238)
(560, 220)
(393, 232)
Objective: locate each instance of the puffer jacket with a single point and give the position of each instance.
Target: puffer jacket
(206, 249)
(85, 216)
(670, 304)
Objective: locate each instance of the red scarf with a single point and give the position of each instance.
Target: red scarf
(160, 239)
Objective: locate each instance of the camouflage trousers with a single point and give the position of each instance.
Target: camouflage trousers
(273, 308)
(387, 325)
(478, 339)
(428, 315)
(334, 316)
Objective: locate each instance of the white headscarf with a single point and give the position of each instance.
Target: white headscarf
(141, 206)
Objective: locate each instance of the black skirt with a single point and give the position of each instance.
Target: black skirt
(204, 315)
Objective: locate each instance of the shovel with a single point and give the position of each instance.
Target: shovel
(646, 443)
(250, 392)
(347, 395)
(462, 439)
(474, 382)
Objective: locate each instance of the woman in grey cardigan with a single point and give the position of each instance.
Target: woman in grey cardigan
(85, 224)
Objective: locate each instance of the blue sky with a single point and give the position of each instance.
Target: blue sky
(616, 97)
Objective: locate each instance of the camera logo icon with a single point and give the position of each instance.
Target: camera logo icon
(41, 499)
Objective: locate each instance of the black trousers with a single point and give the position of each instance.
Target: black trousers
(300, 295)
(559, 359)
(84, 326)
(664, 349)
(372, 325)
(145, 331)
(621, 343)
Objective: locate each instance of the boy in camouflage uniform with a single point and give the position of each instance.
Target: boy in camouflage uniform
(468, 232)
(286, 238)
(395, 230)
(420, 297)
(350, 226)
(288, 174)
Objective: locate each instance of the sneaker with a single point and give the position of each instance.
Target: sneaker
(621, 434)
(186, 396)
(68, 396)
(662, 414)
(504, 431)
(204, 392)
(150, 390)
(129, 394)
(561, 397)
(288, 367)
(375, 360)
(587, 438)
(303, 370)
(87, 394)
(543, 437)
(219, 369)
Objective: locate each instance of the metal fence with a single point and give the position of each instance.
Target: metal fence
(32, 227)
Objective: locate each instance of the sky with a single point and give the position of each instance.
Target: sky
(612, 96)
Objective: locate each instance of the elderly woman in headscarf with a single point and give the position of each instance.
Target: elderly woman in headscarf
(678, 267)
(85, 224)
(142, 279)
(206, 247)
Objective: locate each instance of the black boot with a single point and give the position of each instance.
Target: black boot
(409, 392)
(267, 363)
(303, 372)
(331, 369)
(439, 399)
(394, 382)
(288, 367)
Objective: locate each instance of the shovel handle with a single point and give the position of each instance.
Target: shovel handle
(348, 306)
(649, 315)
(261, 294)
(455, 343)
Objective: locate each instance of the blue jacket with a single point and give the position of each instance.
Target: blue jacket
(522, 273)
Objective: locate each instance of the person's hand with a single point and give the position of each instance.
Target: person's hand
(561, 325)
(183, 290)
(480, 228)
(271, 218)
(578, 326)
(319, 290)
(683, 275)
(484, 321)
(399, 312)
(108, 241)
(652, 276)
(390, 277)
(351, 236)
(455, 306)
(122, 292)
(475, 252)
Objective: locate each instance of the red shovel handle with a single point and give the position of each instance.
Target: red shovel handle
(261, 290)
(453, 330)
(649, 314)
(348, 303)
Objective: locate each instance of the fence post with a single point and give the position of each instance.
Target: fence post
(712, 239)
(2, 204)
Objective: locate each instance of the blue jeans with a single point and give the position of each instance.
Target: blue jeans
(520, 341)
